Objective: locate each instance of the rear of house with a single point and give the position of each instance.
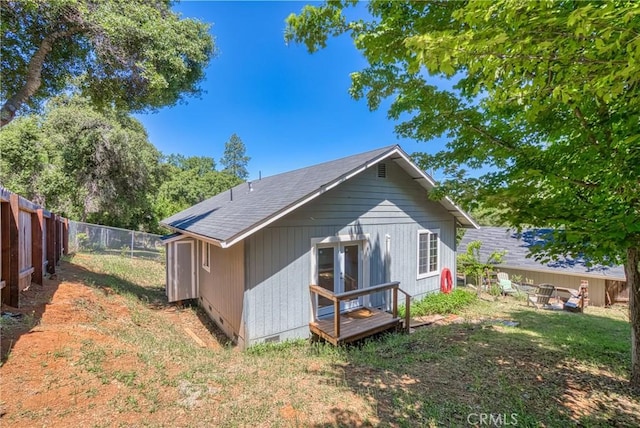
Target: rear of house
(343, 225)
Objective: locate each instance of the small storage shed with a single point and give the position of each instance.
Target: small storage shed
(249, 255)
(607, 284)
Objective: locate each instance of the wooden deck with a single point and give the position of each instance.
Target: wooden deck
(354, 325)
(361, 322)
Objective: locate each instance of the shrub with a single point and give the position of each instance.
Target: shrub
(495, 290)
(441, 303)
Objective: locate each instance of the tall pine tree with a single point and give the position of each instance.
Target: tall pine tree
(234, 159)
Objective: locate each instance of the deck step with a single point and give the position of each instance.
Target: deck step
(355, 325)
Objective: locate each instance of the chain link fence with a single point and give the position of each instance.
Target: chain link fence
(113, 240)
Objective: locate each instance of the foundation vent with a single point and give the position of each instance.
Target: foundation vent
(272, 339)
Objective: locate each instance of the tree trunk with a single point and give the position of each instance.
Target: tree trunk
(632, 271)
(33, 79)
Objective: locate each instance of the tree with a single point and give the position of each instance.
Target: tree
(234, 159)
(545, 94)
(469, 263)
(91, 165)
(188, 181)
(135, 55)
(24, 157)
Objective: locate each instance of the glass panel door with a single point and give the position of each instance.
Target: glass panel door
(326, 277)
(350, 275)
(351, 267)
(339, 269)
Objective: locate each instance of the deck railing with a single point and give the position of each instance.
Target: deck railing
(349, 295)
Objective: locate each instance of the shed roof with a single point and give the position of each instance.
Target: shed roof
(237, 213)
(518, 245)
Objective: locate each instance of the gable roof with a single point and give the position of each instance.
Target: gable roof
(235, 214)
(517, 246)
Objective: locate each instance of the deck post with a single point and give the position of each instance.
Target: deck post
(407, 312)
(394, 302)
(336, 318)
(314, 306)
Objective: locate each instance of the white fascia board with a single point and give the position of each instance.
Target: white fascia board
(308, 198)
(189, 234)
(173, 239)
(466, 216)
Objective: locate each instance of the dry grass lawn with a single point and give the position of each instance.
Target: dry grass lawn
(99, 346)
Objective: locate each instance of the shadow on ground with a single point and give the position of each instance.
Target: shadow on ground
(551, 370)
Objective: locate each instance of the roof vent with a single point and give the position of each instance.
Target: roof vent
(382, 170)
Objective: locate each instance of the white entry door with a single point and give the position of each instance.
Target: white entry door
(181, 271)
(338, 269)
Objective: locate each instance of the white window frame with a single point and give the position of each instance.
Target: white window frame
(428, 232)
(206, 256)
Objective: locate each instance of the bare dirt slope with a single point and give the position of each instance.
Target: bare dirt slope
(60, 365)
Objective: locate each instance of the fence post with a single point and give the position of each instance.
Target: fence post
(51, 244)
(10, 250)
(65, 236)
(58, 238)
(75, 236)
(132, 235)
(37, 252)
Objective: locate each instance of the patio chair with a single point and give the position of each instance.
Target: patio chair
(576, 300)
(506, 286)
(542, 295)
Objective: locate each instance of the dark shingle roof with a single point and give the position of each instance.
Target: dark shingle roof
(517, 246)
(221, 218)
(232, 215)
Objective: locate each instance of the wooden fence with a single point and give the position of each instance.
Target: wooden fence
(32, 241)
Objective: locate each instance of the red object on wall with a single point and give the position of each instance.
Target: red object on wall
(446, 281)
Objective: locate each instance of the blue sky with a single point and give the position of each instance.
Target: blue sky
(290, 108)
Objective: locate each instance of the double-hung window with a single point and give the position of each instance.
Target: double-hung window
(206, 256)
(428, 252)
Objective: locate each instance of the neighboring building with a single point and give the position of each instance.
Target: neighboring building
(607, 284)
(249, 254)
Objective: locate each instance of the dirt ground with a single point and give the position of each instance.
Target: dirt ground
(37, 383)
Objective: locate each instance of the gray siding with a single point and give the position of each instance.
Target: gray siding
(221, 290)
(278, 258)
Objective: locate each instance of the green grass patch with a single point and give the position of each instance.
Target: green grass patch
(441, 303)
(134, 278)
